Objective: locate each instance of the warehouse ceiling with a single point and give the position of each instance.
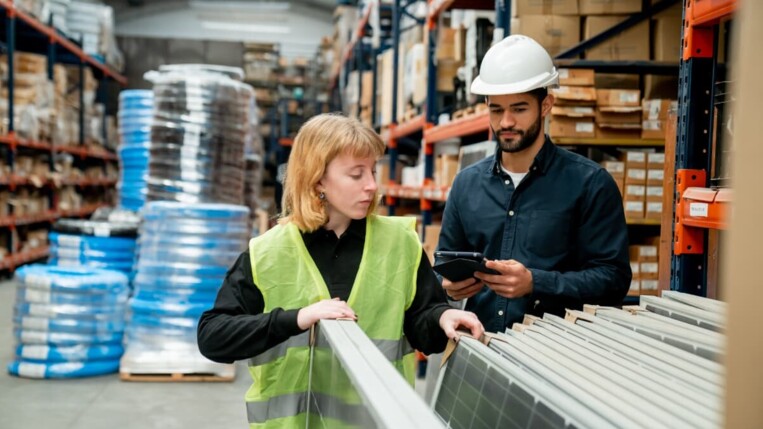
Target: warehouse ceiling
(297, 25)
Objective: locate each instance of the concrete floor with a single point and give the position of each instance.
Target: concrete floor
(105, 401)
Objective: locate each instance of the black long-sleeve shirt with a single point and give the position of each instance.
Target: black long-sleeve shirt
(236, 327)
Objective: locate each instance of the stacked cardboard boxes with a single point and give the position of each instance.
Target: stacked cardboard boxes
(573, 113)
(654, 116)
(618, 113)
(640, 177)
(555, 24)
(645, 268)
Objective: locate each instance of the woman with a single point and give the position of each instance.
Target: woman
(330, 257)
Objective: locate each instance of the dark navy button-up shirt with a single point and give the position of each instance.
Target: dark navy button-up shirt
(564, 222)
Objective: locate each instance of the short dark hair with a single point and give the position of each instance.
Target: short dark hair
(539, 94)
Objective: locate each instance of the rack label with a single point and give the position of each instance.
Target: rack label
(583, 127)
(698, 209)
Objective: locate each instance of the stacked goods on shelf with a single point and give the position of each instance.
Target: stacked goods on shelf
(555, 25)
(93, 26)
(345, 21)
(645, 268)
(261, 71)
(655, 117)
(201, 124)
(135, 117)
(48, 11)
(94, 243)
(640, 177)
(185, 251)
(573, 113)
(618, 114)
(33, 97)
(68, 321)
(631, 44)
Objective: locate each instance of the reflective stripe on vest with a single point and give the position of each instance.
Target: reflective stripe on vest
(391, 349)
(325, 406)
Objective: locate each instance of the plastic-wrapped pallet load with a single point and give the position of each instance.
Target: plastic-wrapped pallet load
(68, 321)
(135, 118)
(185, 251)
(94, 243)
(201, 125)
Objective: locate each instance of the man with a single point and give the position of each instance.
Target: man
(551, 222)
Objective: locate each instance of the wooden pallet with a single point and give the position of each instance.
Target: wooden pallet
(176, 377)
(477, 108)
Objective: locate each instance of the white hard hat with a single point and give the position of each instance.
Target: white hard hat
(515, 65)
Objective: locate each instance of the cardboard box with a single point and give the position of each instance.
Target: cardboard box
(635, 193)
(653, 210)
(620, 182)
(554, 32)
(618, 98)
(619, 117)
(575, 95)
(577, 77)
(643, 253)
(676, 10)
(608, 7)
(666, 39)
(634, 159)
(617, 81)
(546, 7)
(446, 168)
(654, 194)
(650, 287)
(634, 209)
(632, 44)
(574, 111)
(635, 176)
(654, 129)
(615, 168)
(655, 177)
(635, 289)
(446, 71)
(655, 160)
(574, 127)
(660, 86)
(648, 270)
(608, 132)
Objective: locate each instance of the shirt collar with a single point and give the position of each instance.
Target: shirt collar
(357, 229)
(541, 163)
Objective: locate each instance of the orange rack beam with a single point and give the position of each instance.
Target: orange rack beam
(468, 125)
(10, 262)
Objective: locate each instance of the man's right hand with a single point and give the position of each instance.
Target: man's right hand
(463, 289)
(326, 309)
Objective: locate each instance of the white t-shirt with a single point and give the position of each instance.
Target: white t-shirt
(515, 177)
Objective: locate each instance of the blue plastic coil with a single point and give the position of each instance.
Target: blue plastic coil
(62, 370)
(80, 353)
(62, 324)
(24, 336)
(53, 277)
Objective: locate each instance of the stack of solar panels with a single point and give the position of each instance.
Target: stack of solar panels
(94, 243)
(352, 384)
(68, 321)
(185, 252)
(601, 368)
(200, 129)
(135, 117)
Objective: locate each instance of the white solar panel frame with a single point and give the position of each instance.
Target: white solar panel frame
(561, 402)
(684, 312)
(669, 364)
(703, 404)
(707, 304)
(394, 403)
(618, 379)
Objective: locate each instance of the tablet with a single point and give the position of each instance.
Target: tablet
(459, 266)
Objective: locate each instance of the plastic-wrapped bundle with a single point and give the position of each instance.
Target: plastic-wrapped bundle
(135, 117)
(68, 321)
(94, 243)
(185, 252)
(200, 129)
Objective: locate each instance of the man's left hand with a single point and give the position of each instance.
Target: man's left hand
(514, 280)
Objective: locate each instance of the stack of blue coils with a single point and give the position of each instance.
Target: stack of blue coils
(185, 251)
(135, 118)
(68, 321)
(97, 244)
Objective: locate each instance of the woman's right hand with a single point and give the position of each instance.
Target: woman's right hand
(326, 309)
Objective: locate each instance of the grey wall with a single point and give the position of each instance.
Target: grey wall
(144, 54)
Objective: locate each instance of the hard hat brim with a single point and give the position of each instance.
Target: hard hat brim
(480, 87)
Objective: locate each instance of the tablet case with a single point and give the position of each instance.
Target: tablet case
(459, 269)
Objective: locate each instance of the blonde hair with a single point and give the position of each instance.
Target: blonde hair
(318, 142)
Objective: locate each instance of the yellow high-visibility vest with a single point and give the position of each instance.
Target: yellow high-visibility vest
(287, 277)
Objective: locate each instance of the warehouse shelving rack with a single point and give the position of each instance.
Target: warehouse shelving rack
(699, 208)
(23, 32)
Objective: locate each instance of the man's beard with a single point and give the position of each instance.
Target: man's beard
(526, 138)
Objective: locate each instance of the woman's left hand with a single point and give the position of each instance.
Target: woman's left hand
(451, 320)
